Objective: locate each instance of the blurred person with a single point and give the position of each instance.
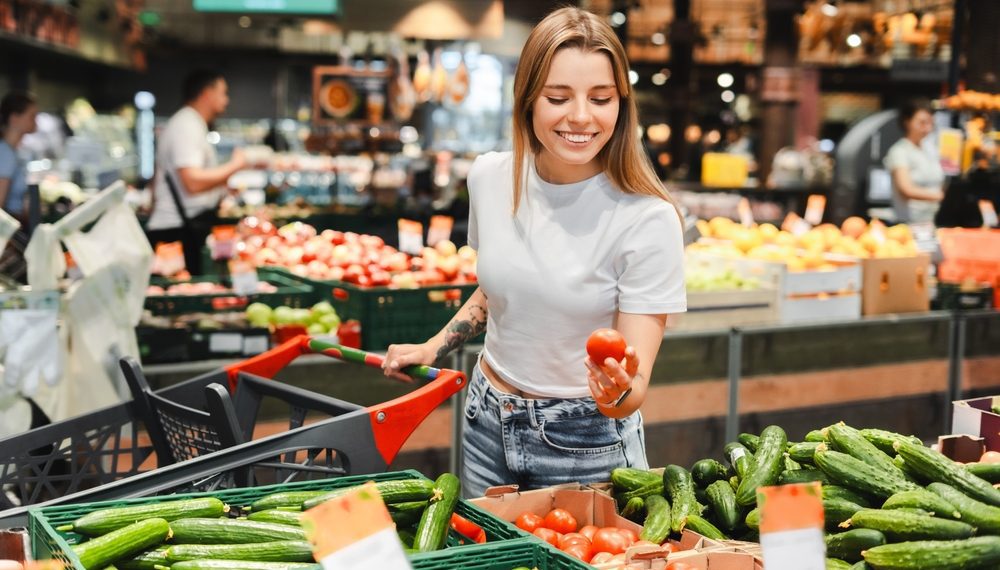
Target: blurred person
(18, 111)
(917, 177)
(185, 156)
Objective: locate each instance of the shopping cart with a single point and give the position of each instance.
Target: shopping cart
(103, 459)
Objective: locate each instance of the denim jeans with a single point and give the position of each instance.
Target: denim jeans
(538, 443)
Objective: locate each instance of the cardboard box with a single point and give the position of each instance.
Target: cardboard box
(650, 558)
(895, 285)
(587, 505)
(823, 307)
(715, 309)
(719, 558)
(845, 278)
(975, 417)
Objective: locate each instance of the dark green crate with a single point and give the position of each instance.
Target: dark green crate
(47, 543)
(394, 316)
(503, 556)
(291, 292)
(951, 296)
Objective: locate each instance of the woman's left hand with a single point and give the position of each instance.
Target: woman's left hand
(610, 380)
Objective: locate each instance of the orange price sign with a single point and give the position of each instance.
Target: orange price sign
(411, 236)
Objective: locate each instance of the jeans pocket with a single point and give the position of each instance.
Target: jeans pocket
(473, 398)
(583, 435)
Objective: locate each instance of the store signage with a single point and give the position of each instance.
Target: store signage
(328, 7)
(950, 148)
(791, 527)
(345, 94)
(930, 70)
(815, 206)
(440, 229)
(746, 214)
(411, 236)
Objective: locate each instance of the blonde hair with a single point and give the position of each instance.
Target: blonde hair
(622, 158)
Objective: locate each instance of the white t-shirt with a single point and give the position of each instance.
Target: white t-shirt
(183, 143)
(925, 171)
(574, 255)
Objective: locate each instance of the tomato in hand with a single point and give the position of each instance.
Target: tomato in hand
(604, 344)
(579, 550)
(589, 531)
(561, 521)
(528, 522)
(548, 535)
(608, 539)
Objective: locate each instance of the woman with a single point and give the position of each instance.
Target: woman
(574, 233)
(18, 111)
(917, 177)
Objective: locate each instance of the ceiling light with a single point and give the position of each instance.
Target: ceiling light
(854, 40)
(659, 78)
(829, 9)
(658, 39)
(618, 18)
(633, 76)
(725, 80)
(244, 22)
(728, 96)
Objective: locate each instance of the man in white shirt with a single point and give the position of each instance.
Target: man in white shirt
(185, 154)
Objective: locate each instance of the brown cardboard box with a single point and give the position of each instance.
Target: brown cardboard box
(717, 558)
(587, 505)
(895, 285)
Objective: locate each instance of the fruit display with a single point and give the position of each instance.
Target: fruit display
(358, 259)
(970, 100)
(201, 288)
(890, 502)
(319, 319)
(805, 251)
(704, 279)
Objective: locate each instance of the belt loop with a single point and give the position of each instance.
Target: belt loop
(533, 414)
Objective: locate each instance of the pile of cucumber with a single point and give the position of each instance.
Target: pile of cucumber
(203, 533)
(890, 502)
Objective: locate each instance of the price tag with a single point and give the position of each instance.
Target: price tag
(223, 242)
(169, 258)
(795, 225)
(355, 532)
(254, 345)
(815, 206)
(746, 214)
(439, 229)
(225, 343)
(244, 276)
(791, 527)
(411, 237)
(989, 214)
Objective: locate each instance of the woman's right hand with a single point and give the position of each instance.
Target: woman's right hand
(400, 356)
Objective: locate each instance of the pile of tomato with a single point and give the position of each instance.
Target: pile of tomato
(589, 543)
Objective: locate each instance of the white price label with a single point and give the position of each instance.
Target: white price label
(380, 551)
(801, 549)
(254, 345)
(989, 214)
(226, 343)
(245, 282)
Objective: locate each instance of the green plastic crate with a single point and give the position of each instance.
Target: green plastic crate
(503, 556)
(291, 292)
(48, 543)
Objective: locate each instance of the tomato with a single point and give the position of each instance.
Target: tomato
(589, 531)
(680, 566)
(560, 520)
(630, 534)
(573, 538)
(465, 527)
(604, 344)
(528, 522)
(601, 557)
(990, 457)
(608, 539)
(579, 550)
(548, 535)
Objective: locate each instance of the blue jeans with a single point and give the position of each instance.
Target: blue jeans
(538, 443)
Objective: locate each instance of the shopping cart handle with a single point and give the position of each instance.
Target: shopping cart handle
(268, 364)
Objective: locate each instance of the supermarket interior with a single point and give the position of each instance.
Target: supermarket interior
(734, 307)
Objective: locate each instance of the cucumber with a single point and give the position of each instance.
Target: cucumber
(679, 488)
(734, 482)
(986, 518)
(979, 552)
(241, 565)
(790, 464)
(901, 526)
(837, 492)
(910, 473)
(849, 545)
(231, 531)
(642, 492)
(837, 511)
(401, 491)
(936, 467)
(276, 516)
(858, 475)
(122, 543)
(708, 471)
(837, 564)
(658, 520)
(103, 521)
(284, 499)
(407, 514)
(703, 527)
(989, 472)
(804, 475)
(861, 566)
(433, 527)
(749, 441)
(803, 452)
(630, 479)
(635, 509)
(740, 458)
(752, 519)
(146, 560)
(766, 467)
(816, 436)
(406, 537)
(926, 500)
(722, 501)
(276, 551)
(915, 511)
(886, 440)
(850, 441)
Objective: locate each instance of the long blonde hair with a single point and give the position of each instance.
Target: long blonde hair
(622, 158)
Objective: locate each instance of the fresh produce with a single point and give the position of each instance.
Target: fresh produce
(990, 472)
(703, 527)
(802, 476)
(739, 457)
(836, 511)
(898, 525)
(849, 471)
(886, 440)
(230, 531)
(849, 545)
(604, 344)
(722, 500)
(122, 543)
(106, 520)
(803, 451)
(837, 564)
(146, 560)
(284, 499)
(466, 528)
(986, 518)
(680, 489)
(241, 565)
(277, 516)
(767, 465)
(979, 552)
(276, 551)
(433, 527)
(707, 471)
(936, 467)
(630, 479)
(400, 491)
(836, 492)
(635, 509)
(849, 440)
(658, 520)
(926, 500)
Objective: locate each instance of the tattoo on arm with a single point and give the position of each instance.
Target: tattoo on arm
(460, 331)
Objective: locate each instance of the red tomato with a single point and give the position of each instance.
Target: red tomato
(589, 531)
(680, 566)
(608, 539)
(579, 550)
(601, 557)
(630, 534)
(548, 535)
(560, 520)
(465, 527)
(528, 522)
(573, 538)
(604, 344)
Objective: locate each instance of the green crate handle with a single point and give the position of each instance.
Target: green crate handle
(269, 363)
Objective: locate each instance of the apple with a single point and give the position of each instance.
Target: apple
(467, 253)
(335, 274)
(341, 253)
(316, 329)
(448, 266)
(445, 248)
(364, 281)
(372, 242)
(353, 273)
(317, 269)
(396, 262)
(351, 237)
(330, 321)
(300, 317)
(283, 315)
(300, 270)
(258, 313)
(380, 278)
(323, 308)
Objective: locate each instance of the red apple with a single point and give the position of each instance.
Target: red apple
(380, 278)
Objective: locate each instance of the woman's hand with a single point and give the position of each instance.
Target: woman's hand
(400, 356)
(610, 380)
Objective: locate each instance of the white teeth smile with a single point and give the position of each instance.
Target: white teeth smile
(578, 137)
